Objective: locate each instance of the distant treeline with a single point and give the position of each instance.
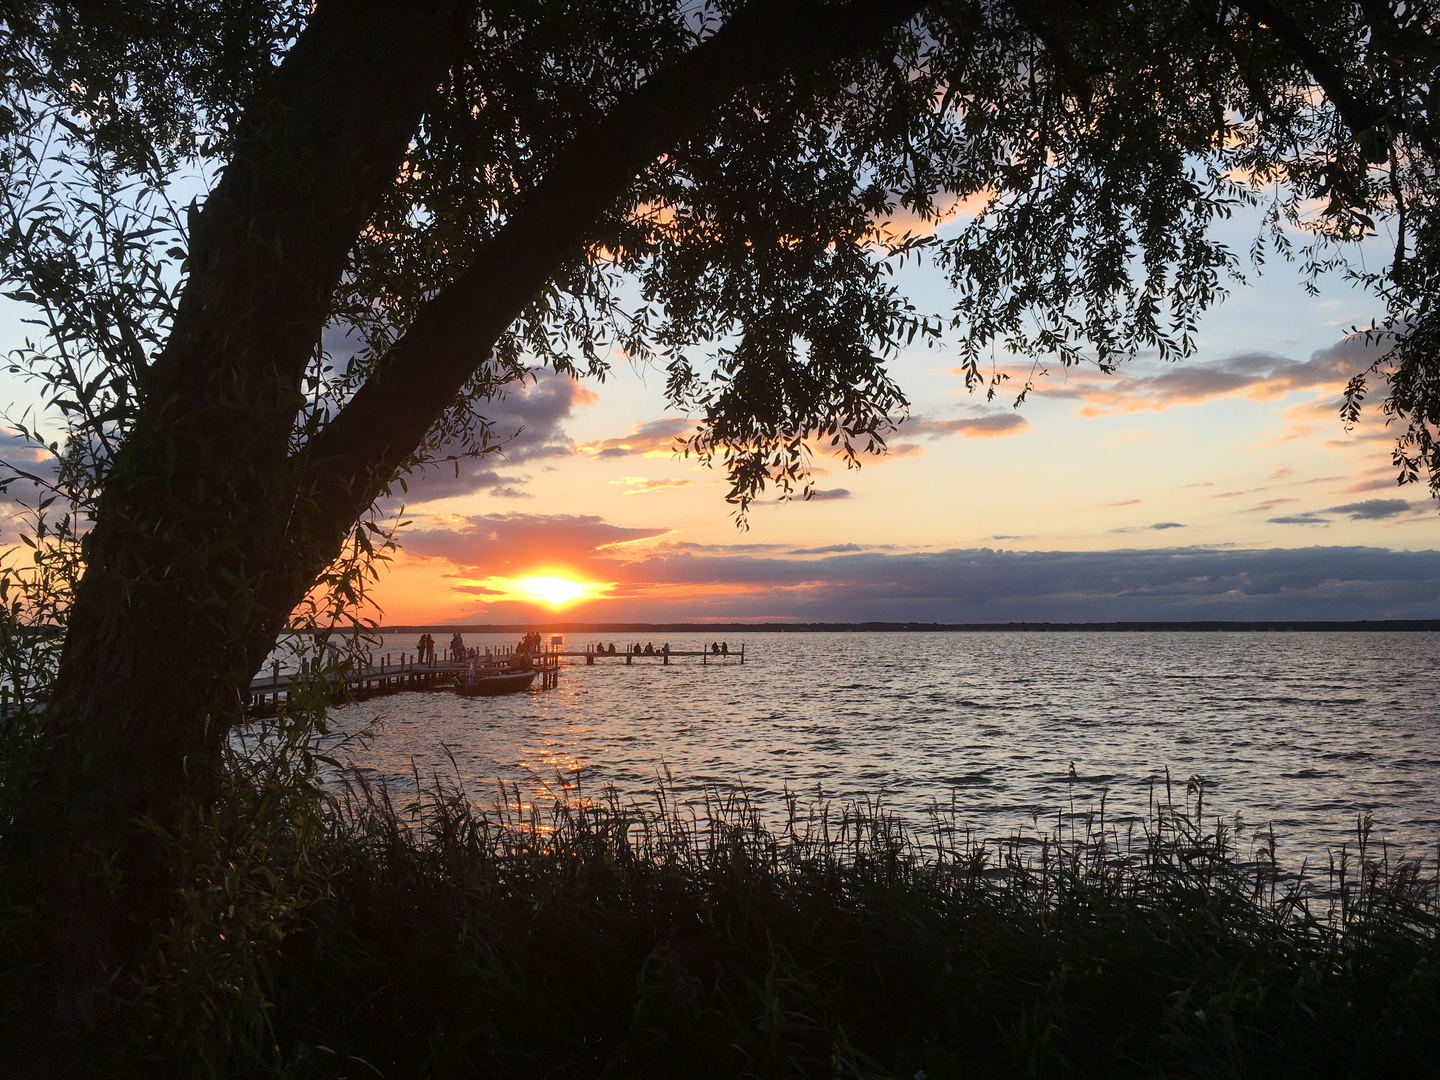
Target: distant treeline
(916, 627)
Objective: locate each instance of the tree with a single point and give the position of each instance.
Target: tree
(466, 187)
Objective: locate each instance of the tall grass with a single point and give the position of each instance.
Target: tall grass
(605, 939)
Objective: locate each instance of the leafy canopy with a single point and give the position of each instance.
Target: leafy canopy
(1093, 144)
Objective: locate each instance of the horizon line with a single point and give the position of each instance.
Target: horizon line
(1158, 625)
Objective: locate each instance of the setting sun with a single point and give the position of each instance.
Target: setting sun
(554, 591)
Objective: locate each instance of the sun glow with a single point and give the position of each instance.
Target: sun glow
(555, 591)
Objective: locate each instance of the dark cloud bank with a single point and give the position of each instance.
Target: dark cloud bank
(1182, 584)
(854, 583)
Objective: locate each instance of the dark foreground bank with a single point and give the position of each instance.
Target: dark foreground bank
(432, 940)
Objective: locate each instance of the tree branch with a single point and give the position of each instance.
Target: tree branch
(1359, 115)
(353, 459)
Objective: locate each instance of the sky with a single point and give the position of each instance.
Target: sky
(1221, 487)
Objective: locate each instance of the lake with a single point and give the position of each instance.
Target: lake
(1303, 731)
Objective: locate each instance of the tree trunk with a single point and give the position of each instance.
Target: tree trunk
(209, 530)
(194, 562)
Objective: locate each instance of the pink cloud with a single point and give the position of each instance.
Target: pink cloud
(1255, 376)
(499, 544)
(995, 425)
(1379, 478)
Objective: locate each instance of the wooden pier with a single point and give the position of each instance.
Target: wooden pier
(662, 655)
(390, 676)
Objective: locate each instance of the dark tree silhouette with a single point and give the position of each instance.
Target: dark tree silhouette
(463, 187)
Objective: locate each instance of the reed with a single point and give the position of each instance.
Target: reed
(347, 930)
(596, 938)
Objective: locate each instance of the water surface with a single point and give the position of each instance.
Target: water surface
(1304, 731)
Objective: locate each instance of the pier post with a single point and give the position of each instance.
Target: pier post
(628, 655)
(742, 652)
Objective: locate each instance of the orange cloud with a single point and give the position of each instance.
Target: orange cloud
(653, 438)
(892, 228)
(640, 485)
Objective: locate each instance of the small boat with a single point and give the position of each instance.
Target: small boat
(494, 682)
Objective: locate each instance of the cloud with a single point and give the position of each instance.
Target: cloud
(838, 549)
(1159, 526)
(20, 460)
(891, 227)
(529, 424)
(640, 485)
(653, 438)
(844, 581)
(1377, 478)
(995, 425)
(536, 416)
(1256, 376)
(826, 494)
(985, 585)
(496, 544)
(661, 437)
(1369, 510)
(25, 472)
(1124, 502)
(683, 546)
(1372, 509)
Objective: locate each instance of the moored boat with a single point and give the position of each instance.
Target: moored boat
(494, 682)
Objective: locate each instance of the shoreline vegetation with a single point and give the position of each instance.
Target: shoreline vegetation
(351, 934)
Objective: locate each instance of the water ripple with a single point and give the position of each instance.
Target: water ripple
(1306, 729)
